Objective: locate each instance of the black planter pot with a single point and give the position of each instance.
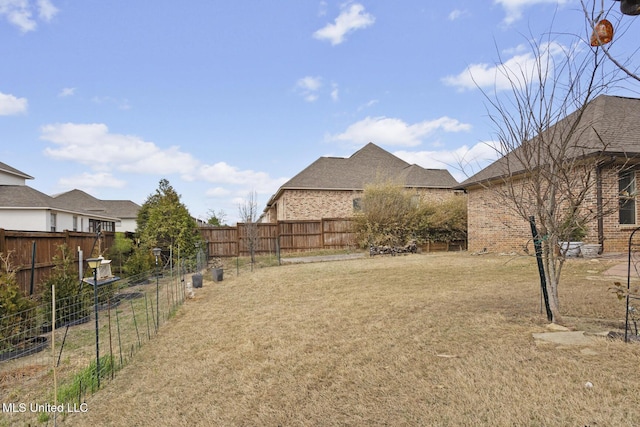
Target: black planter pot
(24, 348)
(196, 279)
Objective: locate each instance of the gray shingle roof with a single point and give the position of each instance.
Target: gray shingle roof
(13, 171)
(369, 164)
(25, 197)
(123, 209)
(22, 196)
(610, 124)
(78, 199)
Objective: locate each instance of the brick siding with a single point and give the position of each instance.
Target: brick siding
(494, 225)
(294, 205)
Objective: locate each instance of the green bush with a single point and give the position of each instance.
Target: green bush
(16, 309)
(119, 253)
(392, 215)
(73, 301)
(140, 261)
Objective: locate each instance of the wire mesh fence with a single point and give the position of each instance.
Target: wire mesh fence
(92, 335)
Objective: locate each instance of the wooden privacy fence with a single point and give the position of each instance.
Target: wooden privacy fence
(288, 236)
(32, 252)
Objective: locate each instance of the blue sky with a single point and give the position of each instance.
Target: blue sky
(223, 98)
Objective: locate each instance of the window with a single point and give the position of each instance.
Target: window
(75, 223)
(357, 204)
(97, 225)
(53, 221)
(627, 197)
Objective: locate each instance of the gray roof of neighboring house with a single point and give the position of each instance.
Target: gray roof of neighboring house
(610, 124)
(13, 171)
(25, 197)
(78, 199)
(369, 164)
(22, 196)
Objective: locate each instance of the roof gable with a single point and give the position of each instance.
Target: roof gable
(369, 164)
(78, 199)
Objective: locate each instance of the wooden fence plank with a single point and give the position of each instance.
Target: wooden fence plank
(293, 236)
(20, 245)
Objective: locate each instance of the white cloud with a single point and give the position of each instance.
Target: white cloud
(223, 173)
(368, 104)
(350, 19)
(457, 14)
(46, 10)
(462, 162)
(322, 8)
(308, 87)
(520, 70)
(11, 105)
(91, 181)
(392, 131)
(21, 12)
(335, 92)
(218, 192)
(514, 8)
(67, 91)
(106, 154)
(93, 145)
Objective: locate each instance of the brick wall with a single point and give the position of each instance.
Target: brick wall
(616, 235)
(316, 204)
(494, 225)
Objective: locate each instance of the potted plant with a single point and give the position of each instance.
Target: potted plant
(572, 233)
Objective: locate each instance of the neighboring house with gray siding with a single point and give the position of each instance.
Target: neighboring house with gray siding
(332, 187)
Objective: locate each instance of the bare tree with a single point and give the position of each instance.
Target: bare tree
(248, 211)
(595, 13)
(550, 146)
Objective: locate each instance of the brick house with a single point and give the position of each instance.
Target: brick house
(332, 187)
(608, 144)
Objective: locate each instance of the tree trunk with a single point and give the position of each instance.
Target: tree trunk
(553, 265)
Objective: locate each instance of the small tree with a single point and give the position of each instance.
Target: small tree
(164, 221)
(216, 218)
(248, 212)
(550, 148)
(72, 300)
(16, 312)
(120, 251)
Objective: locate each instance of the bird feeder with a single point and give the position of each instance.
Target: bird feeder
(602, 33)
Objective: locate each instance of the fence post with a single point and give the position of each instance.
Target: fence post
(3, 242)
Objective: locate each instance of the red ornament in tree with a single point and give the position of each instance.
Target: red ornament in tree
(602, 33)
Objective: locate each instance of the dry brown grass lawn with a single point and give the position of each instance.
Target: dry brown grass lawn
(431, 340)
